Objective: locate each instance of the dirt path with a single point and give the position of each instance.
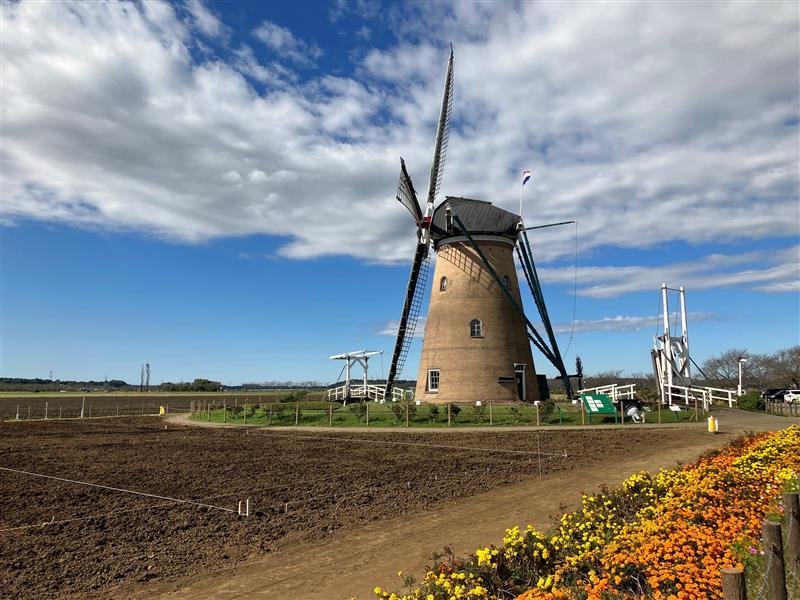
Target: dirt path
(350, 563)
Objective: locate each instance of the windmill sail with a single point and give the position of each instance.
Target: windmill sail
(410, 316)
(442, 138)
(419, 267)
(406, 194)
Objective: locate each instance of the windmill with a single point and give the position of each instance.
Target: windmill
(477, 337)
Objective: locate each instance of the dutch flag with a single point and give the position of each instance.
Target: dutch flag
(526, 175)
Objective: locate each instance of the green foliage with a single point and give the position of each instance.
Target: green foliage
(433, 413)
(400, 409)
(516, 413)
(359, 410)
(455, 410)
(294, 396)
(751, 401)
(478, 413)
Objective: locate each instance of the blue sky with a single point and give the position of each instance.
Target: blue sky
(209, 187)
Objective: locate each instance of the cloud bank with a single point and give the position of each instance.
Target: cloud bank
(647, 122)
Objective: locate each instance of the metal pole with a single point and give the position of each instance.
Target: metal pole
(685, 335)
(667, 343)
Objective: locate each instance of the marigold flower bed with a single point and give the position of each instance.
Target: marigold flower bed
(661, 536)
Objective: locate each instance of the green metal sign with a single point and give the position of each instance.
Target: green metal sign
(598, 404)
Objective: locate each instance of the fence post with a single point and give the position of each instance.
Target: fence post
(330, 415)
(791, 512)
(367, 413)
(60, 410)
(406, 415)
(18, 412)
(537, 415)
(734, 586)
(117, 409)
(244, 422)
(45, 411)
(776, 570)
(29, 412)
(90, 409)
(491, 421)
(448, 414)
(83, 402)
(296, 413)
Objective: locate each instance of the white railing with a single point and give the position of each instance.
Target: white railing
(371, 392)
(729, 396)
(617, 392)
(673, 393)
(706, 395)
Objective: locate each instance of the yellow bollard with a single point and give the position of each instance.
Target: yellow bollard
(713, 424)
(161, 411)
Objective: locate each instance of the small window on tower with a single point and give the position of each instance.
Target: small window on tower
(433, 380)
(443, 284)
(475, 328)
(507, 281)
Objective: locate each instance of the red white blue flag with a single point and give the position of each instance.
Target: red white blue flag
(526, 175)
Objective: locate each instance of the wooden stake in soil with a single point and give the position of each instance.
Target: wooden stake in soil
(734, 586)
(537, 415)
(791, 512)
(245, 414)
(407, 415)
(45, 411)
(330, 415)
(448, 414)
(83, 402)
(491, 421)
(296, 413)
(224, 411)
(367, 413)
(773, 557)
(29, 411)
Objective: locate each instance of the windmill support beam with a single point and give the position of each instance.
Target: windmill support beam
(554, 358)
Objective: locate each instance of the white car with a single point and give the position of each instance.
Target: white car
(792, 396)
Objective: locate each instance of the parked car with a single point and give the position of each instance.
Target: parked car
(792, 396)
(773, 394)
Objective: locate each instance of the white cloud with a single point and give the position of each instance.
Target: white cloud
(283, 42)
(624, 323)
(777, 271)
(204, 19)
(390, 329)
(648, 123)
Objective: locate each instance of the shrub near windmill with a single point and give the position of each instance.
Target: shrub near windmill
(477, 337)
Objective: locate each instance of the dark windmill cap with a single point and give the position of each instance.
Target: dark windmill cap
(478, 216)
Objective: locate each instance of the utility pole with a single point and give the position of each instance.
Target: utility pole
(739, 390)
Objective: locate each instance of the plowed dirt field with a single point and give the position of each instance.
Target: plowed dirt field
(61, 538)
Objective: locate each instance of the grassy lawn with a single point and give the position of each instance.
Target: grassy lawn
(323, 414)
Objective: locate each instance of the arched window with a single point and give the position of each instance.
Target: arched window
(507, 281)
(475, 328)
(443, 284)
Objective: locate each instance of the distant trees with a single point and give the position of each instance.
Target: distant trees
(779, 369)
(198, 385)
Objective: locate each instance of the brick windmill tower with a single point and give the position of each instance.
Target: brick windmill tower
(477, 337)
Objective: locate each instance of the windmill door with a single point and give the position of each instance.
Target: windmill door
(519, 379)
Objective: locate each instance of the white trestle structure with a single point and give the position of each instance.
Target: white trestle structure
(671, 362)
(360, 390)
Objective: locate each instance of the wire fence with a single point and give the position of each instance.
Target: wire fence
(24, 408)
